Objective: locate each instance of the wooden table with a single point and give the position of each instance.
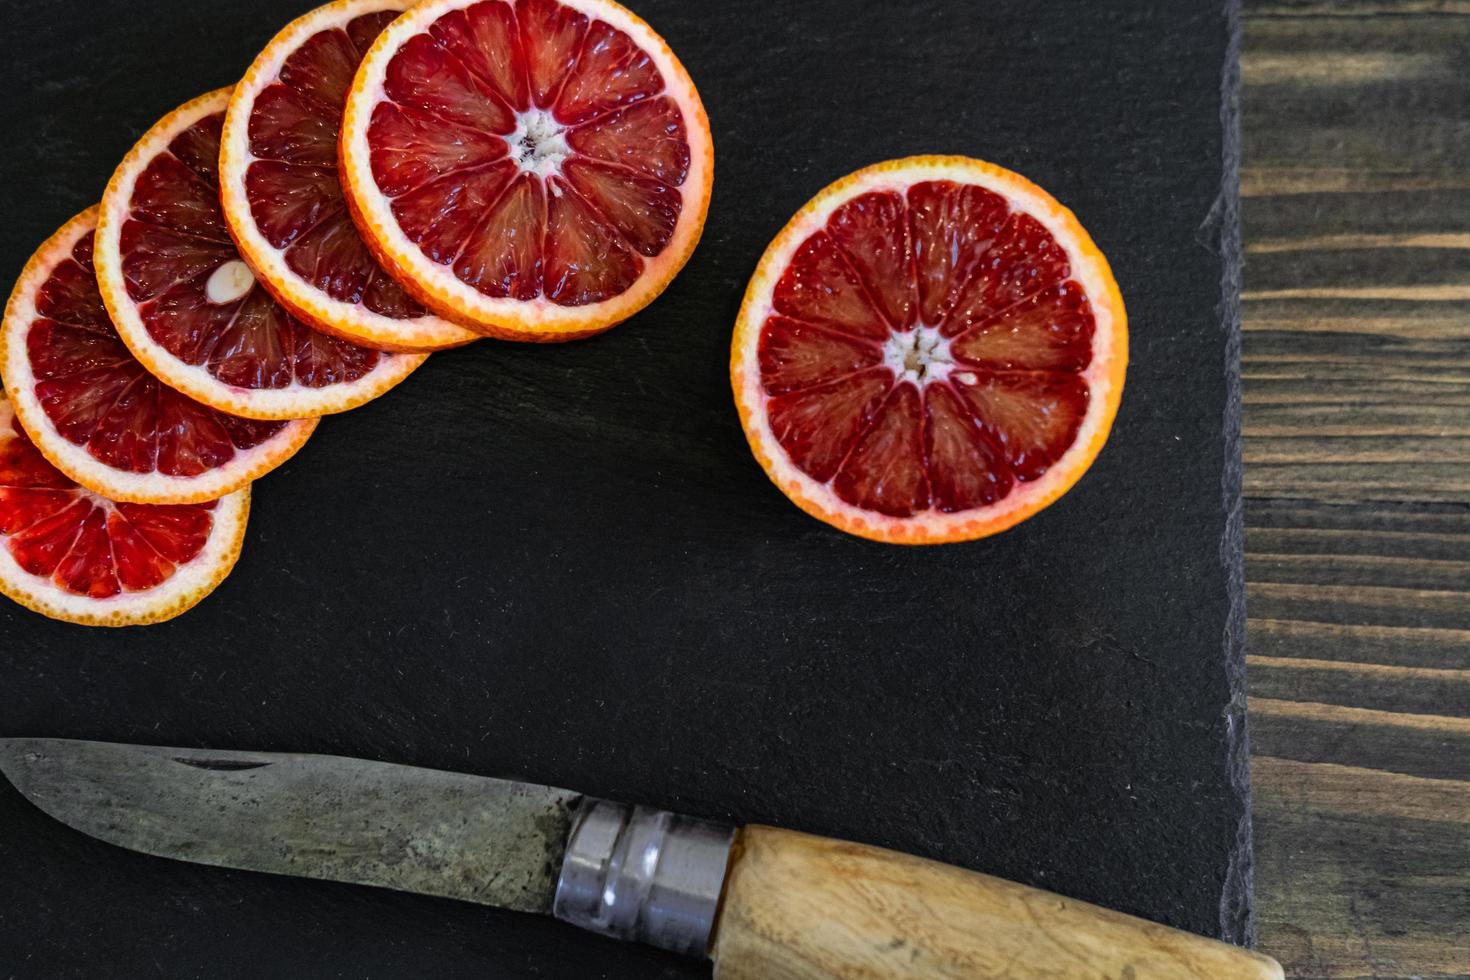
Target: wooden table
(1356, 184)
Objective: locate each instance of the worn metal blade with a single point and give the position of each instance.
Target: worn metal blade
(492, 841)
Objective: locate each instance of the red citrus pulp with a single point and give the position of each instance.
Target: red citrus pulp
(97, 414)
(932, 350)
(282, 200)
(69, 554)
(190, 308)
(538, 170)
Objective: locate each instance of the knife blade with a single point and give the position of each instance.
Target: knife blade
(761, 902)
(491, 841)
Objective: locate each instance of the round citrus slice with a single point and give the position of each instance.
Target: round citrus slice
(281, 197)
(93, 410)
(72, 555)
(535, 170)
(190, 309)
(932, 350)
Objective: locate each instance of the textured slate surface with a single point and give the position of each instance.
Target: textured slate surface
(564, 564)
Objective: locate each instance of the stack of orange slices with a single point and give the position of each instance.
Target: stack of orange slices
(932, 350)
(387, 180)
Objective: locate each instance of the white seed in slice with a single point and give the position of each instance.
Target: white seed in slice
(229, 282)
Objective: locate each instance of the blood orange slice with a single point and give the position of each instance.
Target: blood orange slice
(93, 410)
(538, 170)
(932, 350)
(281, 197)
(190, 309)
(72, 555)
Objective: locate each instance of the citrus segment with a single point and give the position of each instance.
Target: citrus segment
(97, 414)
(539, 170)
(1032, 419)
(1051, 330)
(1023, 258)
(72, 555)
(551, 35)
(880, 473)
(427, 77)
(951, 226)
(932, 350)
(965, 469)
(872, 233)
(503, 251)
(191, 310)
(428, 148)
(818, 426)
(642, 210)
(647, 137)
(611, 71)
(796, 355)
(486, 43)
(822, 287)
(586, 260)
(281, 196)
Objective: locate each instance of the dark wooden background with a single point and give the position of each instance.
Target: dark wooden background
(1356, 186)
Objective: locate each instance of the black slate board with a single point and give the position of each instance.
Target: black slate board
(564, 564)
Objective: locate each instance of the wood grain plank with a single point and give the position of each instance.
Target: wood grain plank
(1387, 687)
(1373, 542)
(1376, 605)
(1379, 853)
(1356, 370)
(1387, 645)
(1429, 746)
(1371, 570)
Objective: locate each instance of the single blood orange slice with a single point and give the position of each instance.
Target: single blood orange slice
(281, 197)
(538, 170)
(70, 554)
(932, 350)
(93, 410)
(190, 309)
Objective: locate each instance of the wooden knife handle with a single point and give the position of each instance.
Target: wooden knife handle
(798, 907)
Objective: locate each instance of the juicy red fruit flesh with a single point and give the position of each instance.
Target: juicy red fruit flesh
(174, 238)
(81, 543)
(100, 398)
(992, 334)
(292, 186)
(570, 209)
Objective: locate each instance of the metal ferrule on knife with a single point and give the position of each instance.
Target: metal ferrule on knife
(651, 876)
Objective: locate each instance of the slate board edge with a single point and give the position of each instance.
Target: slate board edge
(1237, 911)
(157, 669)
